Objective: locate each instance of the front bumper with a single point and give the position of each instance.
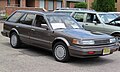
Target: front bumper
(82, 51)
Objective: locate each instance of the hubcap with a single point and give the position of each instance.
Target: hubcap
(13, 40)
(60, 52)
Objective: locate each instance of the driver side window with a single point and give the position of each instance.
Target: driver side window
(40, 22)
(92, 17)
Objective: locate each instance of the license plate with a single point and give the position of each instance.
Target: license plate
(106, 51)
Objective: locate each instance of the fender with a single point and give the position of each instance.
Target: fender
(63, 39)
(115, 32)
(14, 29)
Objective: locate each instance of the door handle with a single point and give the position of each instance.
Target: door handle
(33, 29)
(86, 24)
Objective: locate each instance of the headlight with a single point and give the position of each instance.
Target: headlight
(84, 42)
(112, 40)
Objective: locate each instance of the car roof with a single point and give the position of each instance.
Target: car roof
(84, 11)
(77, 10)
(114, 12)
(38, 12)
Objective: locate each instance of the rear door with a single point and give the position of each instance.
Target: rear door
(24, 27)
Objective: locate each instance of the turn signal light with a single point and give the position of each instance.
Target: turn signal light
(75, 41)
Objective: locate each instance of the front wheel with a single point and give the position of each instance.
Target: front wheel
(14, 40)
(117, 36)
(61, 52)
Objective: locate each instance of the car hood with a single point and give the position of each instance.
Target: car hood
(79, 33)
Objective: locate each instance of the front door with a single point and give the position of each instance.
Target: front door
(40, 34)
(92, 23)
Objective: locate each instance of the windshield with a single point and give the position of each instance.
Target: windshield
(62, 22)
(106, 18)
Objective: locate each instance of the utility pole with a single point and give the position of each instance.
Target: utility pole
(63, 3)
(20, 3)
(88, 4)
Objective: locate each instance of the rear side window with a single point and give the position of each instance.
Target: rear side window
(27, 19)
(79, 17)
(15, 17)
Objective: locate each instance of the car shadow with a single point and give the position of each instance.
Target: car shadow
(90, 61)
(6, 44)
(34, 51)
(37, 52)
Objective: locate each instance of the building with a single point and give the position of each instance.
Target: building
(47, 4)
(117, 5)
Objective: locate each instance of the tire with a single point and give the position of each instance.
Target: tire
(14, 40)
(61, 52)
(118, 38)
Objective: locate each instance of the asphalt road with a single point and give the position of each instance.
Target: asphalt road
(32, 59)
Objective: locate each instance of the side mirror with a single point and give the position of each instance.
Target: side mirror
(95, 22)
(44, 26)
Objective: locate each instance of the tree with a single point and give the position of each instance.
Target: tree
(80, 5)
(104, 5)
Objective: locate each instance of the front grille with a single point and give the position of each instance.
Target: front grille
(99, 42)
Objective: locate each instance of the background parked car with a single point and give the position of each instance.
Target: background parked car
(117, 13)
(94, 21)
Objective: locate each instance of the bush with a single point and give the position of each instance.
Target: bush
(81, 5)
(6, 16)
(104, 5)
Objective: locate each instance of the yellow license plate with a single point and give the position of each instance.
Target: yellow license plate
(106, 51)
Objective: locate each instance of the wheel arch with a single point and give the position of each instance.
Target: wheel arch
(115, 33)
(58, 39)
(13, 30)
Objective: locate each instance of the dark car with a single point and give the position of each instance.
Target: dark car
(56, 32)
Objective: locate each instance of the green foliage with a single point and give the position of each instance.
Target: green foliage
(104, 5)
(81, 5)
(6, 16)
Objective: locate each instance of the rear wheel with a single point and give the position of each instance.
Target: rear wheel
(14, 40)
(61, 53)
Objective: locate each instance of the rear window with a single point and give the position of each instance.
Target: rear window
(15, 17)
